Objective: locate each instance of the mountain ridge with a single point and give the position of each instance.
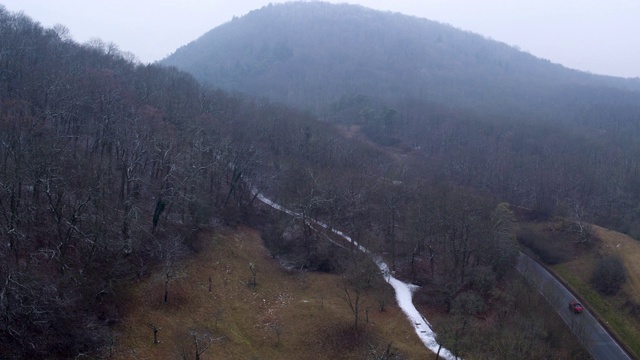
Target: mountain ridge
(310, 54)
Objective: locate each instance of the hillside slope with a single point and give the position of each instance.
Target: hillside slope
(628, 249)
(476, 111)
(110, 168)
(311, 54)
(289, 314)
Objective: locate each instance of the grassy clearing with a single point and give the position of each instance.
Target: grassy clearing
(614, 310)
(607, 309)
(287, 315)
(629, 249)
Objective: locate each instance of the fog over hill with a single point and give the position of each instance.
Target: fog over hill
(311, 54)
(494, 118)
(114, 173)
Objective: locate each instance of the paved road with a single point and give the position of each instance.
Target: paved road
(586, 328)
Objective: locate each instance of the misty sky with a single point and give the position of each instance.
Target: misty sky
(597, 36)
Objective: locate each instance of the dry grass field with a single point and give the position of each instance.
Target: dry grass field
(287, 315)
(629, 249)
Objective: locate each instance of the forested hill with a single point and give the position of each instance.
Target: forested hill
(487, 115)
(109, 169)
(310, 54)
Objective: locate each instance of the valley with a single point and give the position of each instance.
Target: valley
(254, 194)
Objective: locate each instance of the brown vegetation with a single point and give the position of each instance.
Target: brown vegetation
(110, 171)
(290, 314)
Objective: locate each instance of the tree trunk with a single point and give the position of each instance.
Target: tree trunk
(166, 289)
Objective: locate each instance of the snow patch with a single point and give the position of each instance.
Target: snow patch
(404, 291)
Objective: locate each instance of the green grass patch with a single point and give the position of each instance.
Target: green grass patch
(613, 315)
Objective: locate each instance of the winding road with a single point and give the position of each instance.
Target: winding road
(586, 328)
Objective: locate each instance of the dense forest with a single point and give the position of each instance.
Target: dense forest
(109, 168)
(481, 113)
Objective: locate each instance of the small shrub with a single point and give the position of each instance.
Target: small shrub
(634, 308)
(609, 275)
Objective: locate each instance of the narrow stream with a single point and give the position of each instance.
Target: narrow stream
(404, 291)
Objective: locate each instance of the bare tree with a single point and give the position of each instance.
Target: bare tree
(583, 228)
(155, 332)
(353, 297)
(276, 326)
(170, 251)
(381, 353)
(217, 316)
(359, 278)
(198, 343)
(252, 283)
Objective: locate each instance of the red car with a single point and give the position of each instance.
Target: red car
(575, 307)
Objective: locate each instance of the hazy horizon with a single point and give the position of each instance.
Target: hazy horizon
(590, 36)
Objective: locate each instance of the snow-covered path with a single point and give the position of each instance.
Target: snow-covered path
(404, 291)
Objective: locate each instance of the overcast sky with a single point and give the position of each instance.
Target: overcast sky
(593, 35)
